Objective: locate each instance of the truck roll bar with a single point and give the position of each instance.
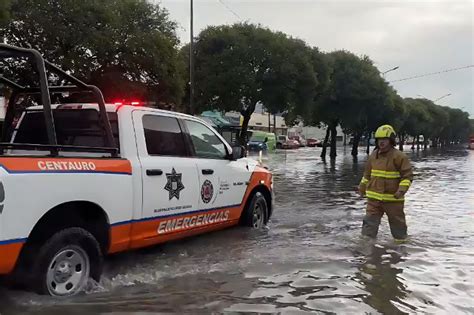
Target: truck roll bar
(45, 91)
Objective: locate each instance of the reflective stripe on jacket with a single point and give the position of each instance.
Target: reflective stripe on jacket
(385, 174)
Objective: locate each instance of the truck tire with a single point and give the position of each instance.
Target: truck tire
(256, 213)
(66, 261)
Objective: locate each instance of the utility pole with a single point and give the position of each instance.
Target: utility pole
(191, 62)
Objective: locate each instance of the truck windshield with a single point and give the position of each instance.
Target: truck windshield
(75, 127)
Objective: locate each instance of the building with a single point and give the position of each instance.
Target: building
(262, 121)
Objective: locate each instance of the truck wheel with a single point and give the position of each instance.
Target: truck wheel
(66, 262)
(256, 213)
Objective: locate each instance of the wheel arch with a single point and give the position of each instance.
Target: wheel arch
(79, 213)
(265, 191)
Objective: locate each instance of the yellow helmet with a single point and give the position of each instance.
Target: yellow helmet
(385, 131)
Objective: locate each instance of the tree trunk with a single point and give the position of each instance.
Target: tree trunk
(401, 142)
(333, 152)
(274, 124)
(368, 142)
(355, 144)
(325, 144)
(269, 122)
(245, 124)
(418, 142)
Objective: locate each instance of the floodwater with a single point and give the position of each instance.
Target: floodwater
(311, 258)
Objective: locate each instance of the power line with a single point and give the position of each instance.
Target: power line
(432, 73)
(230, 9)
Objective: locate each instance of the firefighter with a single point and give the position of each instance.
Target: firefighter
(387, 177)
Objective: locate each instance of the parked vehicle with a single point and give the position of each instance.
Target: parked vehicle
(300, 139)
(104, 178)
(281, 140)
(257, 146)
(291, 144)
(313, 142)
(471, 142)
(267, 137)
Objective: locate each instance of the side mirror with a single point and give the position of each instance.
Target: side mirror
(238, 152)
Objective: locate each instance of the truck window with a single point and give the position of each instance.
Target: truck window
(206, 143)
(76, 127)
(163, 136)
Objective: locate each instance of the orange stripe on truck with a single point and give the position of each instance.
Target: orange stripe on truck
(24, 165)
(150, 231)
(9, 254)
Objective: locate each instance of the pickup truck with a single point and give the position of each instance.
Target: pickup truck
(68, 198)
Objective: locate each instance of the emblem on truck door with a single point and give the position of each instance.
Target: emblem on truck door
(174, 184)
(207, 191)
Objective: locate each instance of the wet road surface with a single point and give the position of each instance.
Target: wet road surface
(311, 258)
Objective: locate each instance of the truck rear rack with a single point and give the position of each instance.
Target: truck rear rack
(45, 91)
(56, 148)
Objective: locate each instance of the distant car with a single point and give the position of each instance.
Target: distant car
(261, 136)
(257, 146)
(280, 141)
(291, 144)
(301, 140)
(313, 143)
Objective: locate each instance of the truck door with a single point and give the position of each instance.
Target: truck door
(222, 182)
(169, 176)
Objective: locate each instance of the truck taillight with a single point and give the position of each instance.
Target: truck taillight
(2, 197)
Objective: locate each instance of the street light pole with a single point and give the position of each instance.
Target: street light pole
(440, 98)
(191, 61)
(393, 69)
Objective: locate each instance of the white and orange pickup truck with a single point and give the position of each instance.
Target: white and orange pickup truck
(80, 181)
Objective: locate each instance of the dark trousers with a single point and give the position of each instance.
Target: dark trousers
(395, 214)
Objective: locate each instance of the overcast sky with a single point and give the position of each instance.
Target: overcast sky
(418, 36)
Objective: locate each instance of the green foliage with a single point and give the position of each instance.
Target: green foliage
(241, 65)
(438, 123)
(4, 11)
(126, 47)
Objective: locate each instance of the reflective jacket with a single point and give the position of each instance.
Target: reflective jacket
(385, 174)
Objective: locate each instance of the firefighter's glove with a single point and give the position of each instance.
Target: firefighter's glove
(399, 194)
(362, 190)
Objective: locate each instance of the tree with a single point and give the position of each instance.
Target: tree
(239, 66)
(458, 128)
(438, 123)
(356, 98)
(128, 48)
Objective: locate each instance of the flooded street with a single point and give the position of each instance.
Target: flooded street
(311, 258)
